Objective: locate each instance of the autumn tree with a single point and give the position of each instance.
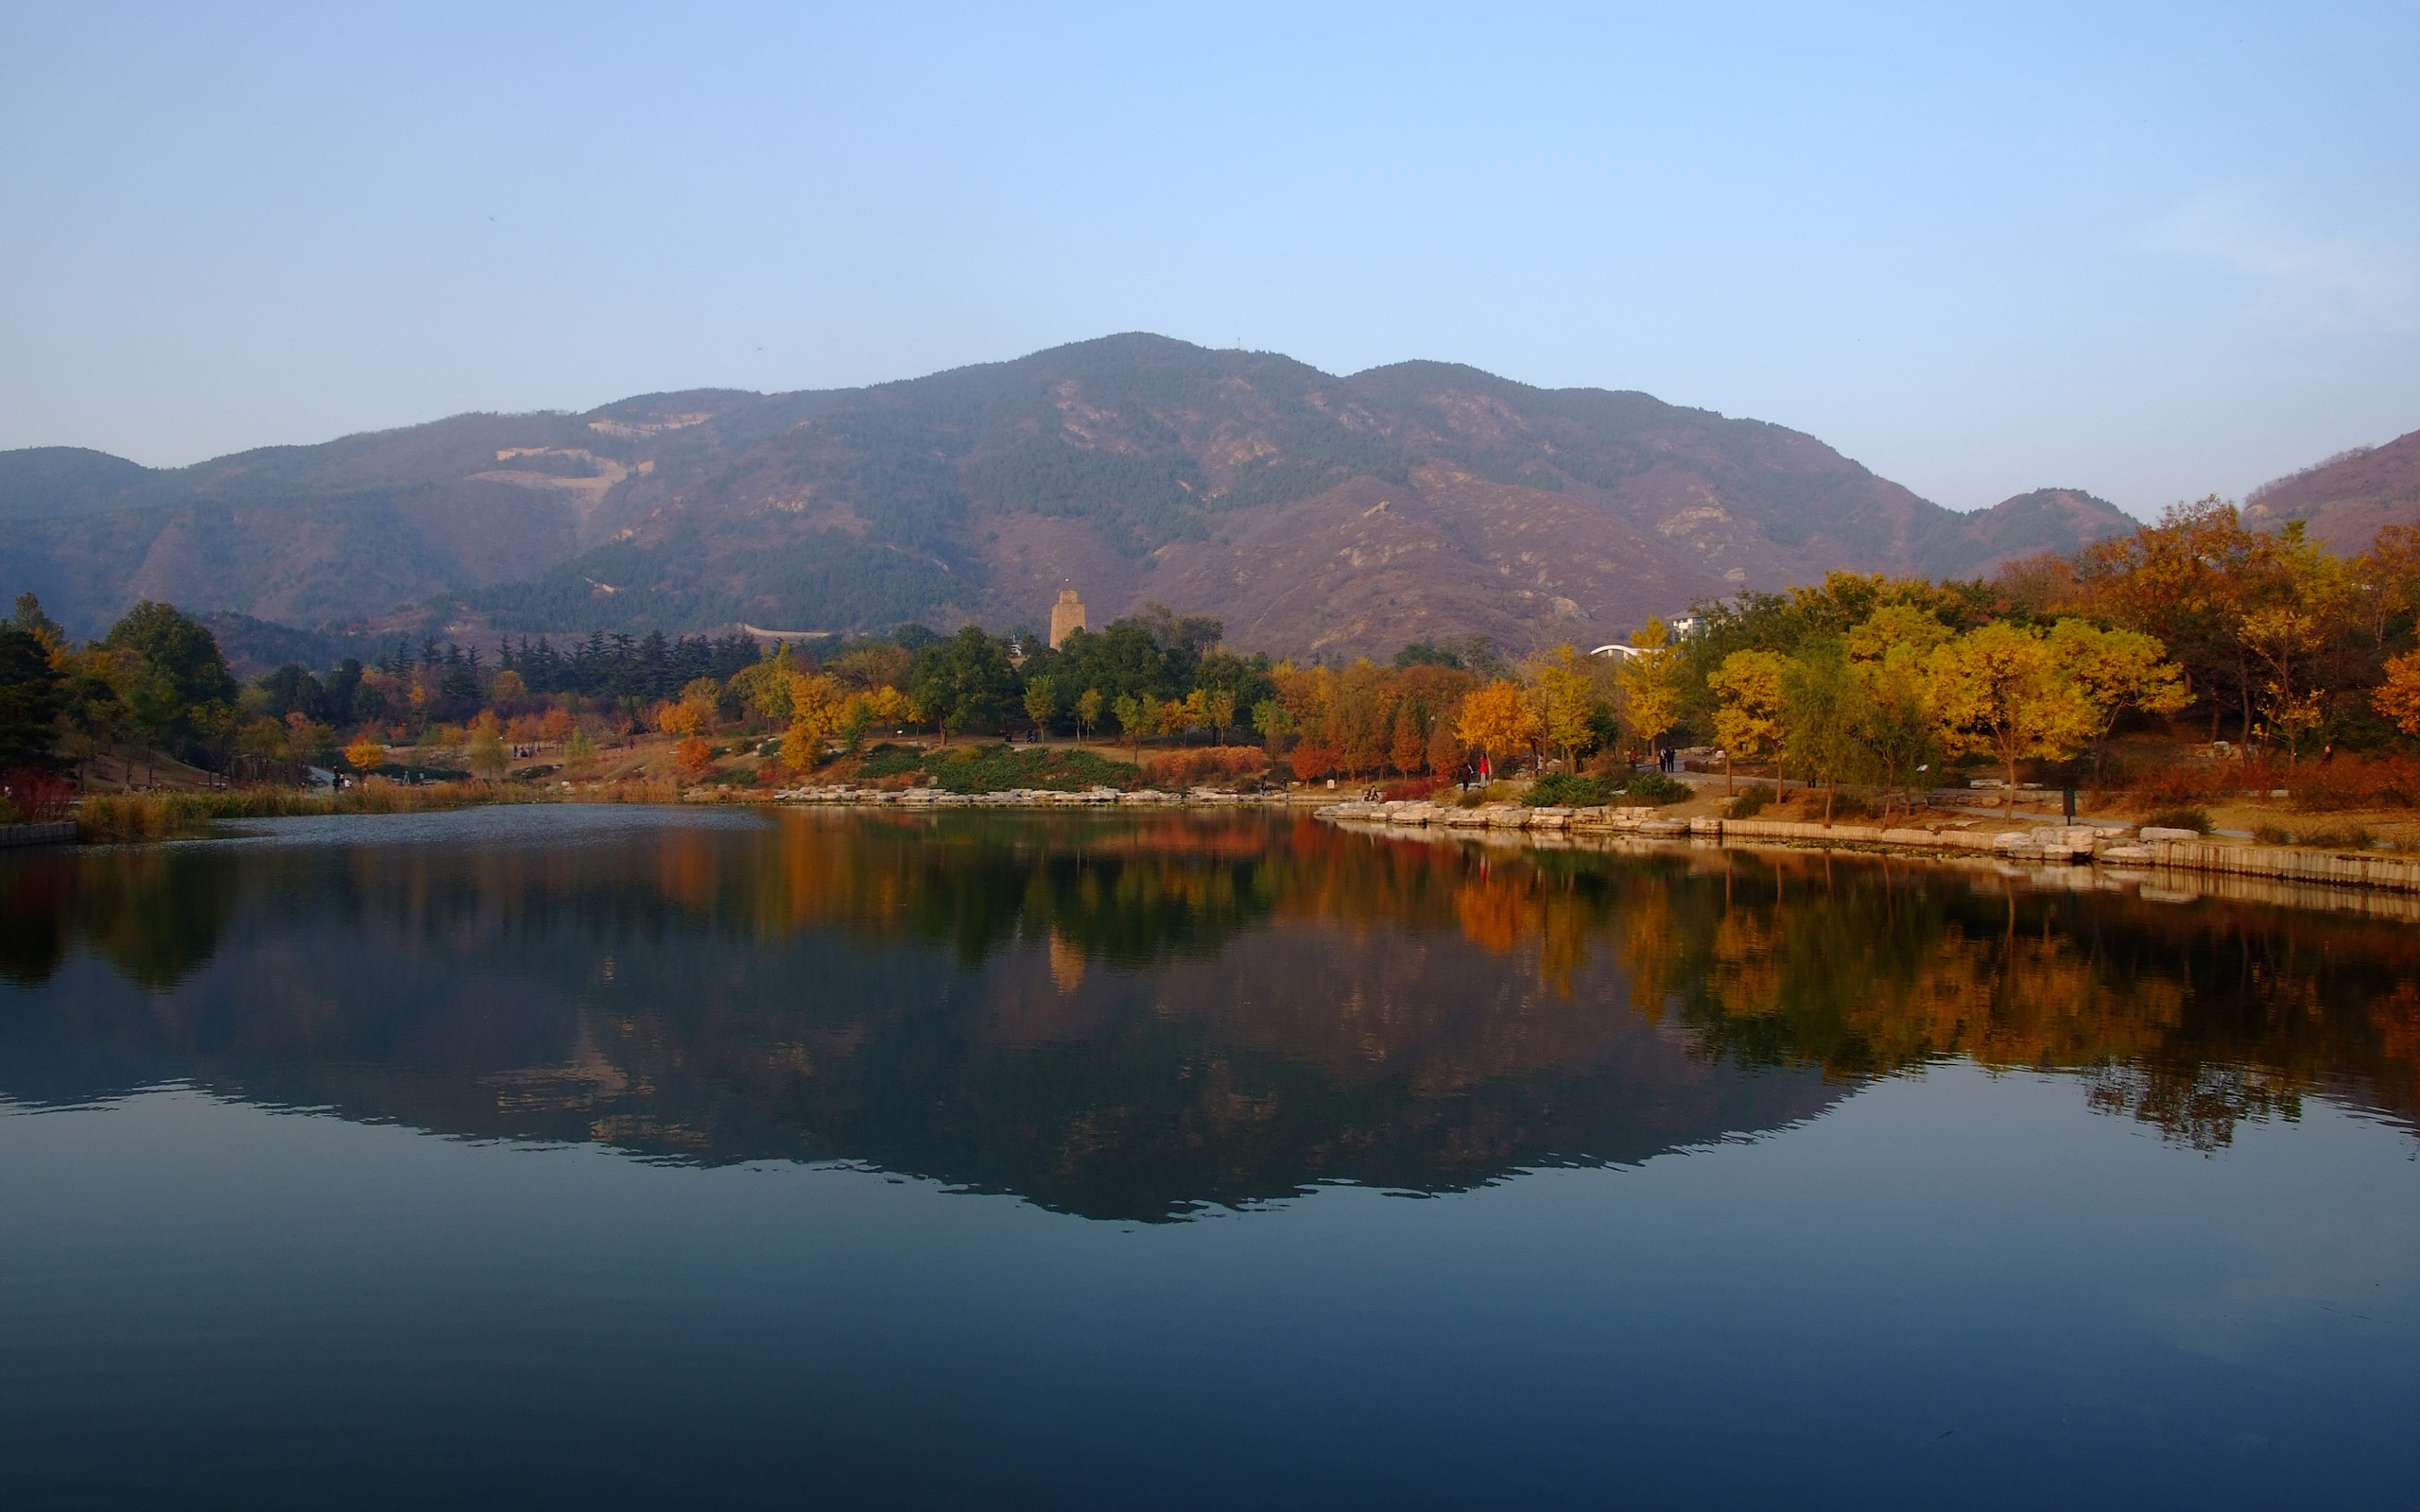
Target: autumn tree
(2287, 635)
(1041, 701)
(1748, 707)
(2190, 582)
(1409, 750)
(1567, 697)
(2398, 696)
(1895, 717)
(2000, 691)
(366, 754)
(1651, 683)
(485, 751)
(1132, 714)
(2119, 672)
(1220, 707)
(1498, 720)
(1821, 705)
(1088, 704)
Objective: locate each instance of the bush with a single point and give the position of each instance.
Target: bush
(1188, 769)
(887, 760)
(2328, 837)
(36, 796)
(1410, 789)
(1750, 802)
(2191, 784)
(1654, 787)
(2178, 818)
(2354, 783)
(1563, 790)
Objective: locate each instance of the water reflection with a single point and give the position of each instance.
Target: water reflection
(1132, 1016)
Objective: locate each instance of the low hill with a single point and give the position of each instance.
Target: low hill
(1317, 514)
(2349, 498)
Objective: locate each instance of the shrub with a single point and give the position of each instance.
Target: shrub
(37, 797)
(2271, 834)
(2191, 784)
(1654, 787)
(1189, 768)
(1563, 790)
(2355, 782)
(2352, 837)
(1750, 802)
(887, 760)
(2179, 818)
(1410, 789)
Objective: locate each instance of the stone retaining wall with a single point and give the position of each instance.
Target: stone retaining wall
(61, 832)
(2107, 846)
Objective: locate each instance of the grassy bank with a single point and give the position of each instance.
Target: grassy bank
(165, 816)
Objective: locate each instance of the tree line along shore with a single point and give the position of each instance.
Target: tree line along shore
(2198, 672)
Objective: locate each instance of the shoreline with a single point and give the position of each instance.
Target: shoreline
(2087, 848)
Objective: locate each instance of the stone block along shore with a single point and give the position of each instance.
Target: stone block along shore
(2107, 846)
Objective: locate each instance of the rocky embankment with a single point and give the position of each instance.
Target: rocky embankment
(2101, 845)
(1028, 797)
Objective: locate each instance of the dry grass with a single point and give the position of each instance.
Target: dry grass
(165, 816)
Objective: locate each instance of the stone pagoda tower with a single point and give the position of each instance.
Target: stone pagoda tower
(1065, 616)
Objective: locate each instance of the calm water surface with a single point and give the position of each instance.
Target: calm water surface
(608, 1158)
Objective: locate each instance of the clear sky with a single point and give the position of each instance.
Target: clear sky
(2150, 251)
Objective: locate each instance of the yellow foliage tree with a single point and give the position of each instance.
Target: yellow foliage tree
(366, 754)
(2118, 671)
(1220, 707)
(1999, 689)
(486, 754)
(2399, 698)
(1651, 683)
(1566, 696)
(1498, 720)
(689, 716)
(1748, 707)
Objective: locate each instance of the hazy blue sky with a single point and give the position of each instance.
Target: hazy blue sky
(2149, 252)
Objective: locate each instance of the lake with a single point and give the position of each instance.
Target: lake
(596, 1156)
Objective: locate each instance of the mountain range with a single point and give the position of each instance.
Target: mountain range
(1317, 515)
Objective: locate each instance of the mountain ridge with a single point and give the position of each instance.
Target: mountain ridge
(2347, 498)
(1319, 514)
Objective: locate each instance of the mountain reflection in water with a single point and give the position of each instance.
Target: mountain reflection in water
(1126, 1016)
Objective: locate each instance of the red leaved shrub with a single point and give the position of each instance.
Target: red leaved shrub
(2351, 781)
(1410, 789)
(38, 797)
(1188, 769)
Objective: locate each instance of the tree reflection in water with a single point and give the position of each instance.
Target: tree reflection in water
(1135, 1015)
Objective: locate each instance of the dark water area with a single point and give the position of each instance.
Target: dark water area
(590, 1157)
